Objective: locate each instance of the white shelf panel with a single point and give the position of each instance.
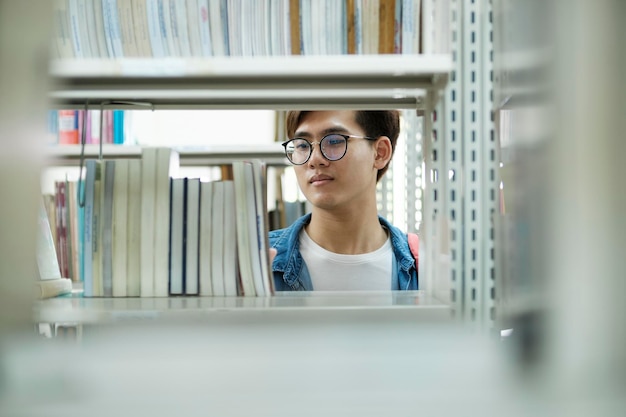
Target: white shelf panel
(362, 81)
(273, 154)
(412, 304)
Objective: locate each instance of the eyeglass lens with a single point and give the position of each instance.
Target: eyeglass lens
(333, 148)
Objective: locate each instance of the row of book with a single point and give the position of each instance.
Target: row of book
(67, 127)
(204, 28)
(143, 231)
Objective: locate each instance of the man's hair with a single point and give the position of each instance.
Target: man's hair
(375, 123)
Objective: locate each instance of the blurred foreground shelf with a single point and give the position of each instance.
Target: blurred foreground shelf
(411, 305)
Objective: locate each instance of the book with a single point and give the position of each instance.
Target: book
(47, 261)
(50, 282)
(259, 171)
(217, 239)
(133, 232)
(127, 28)
(119, 237)
(246, 228)
(141, 28)
(154, 11)
(229, 236)
(107, 191)
(68, 127)
(167, 164)
(203, 27)
(52, 288)
(89, 225)
(206, 213)
(177, 236)
(148, 200)
(192, 237)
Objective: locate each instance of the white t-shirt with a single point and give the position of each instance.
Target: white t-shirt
(336, 272)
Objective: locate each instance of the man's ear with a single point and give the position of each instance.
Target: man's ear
(383, 152)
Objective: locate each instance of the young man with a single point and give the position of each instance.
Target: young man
(343, 244)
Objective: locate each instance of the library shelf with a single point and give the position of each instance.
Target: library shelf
(412, 305)
(284, 82)
(272, 154)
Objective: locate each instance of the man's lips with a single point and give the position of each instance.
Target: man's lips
(318, 179)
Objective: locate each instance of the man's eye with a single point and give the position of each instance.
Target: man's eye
(336, 140)
(301, 146)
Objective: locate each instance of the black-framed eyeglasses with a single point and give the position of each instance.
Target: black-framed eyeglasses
(333, 147)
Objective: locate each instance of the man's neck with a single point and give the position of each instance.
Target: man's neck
(346, 233)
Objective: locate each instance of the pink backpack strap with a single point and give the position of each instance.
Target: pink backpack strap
(414, 246)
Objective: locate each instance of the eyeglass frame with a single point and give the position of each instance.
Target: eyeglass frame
(319, 143)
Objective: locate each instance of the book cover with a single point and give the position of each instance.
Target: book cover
(176, 236)
(52, 288)
(230, 266)
(154, 11)
(141, 28)
(206, 215)
(203, 28)
(148, 216)
(192, 237)
(47, 261)
(217, 239)
(166, 167)
(91, 166)
(107, 228)
(119, 237)
(133, 265)
(246, 228)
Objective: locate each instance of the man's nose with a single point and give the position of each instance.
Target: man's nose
(316, 154)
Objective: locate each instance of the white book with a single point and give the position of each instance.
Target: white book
(97, 230)
(78, 41)
(167, 166)
(177, 235)
(217, 239)
(246, 229)
(216, 26)
(192, 236)
(62, 29)
(173, 34)
(206, 211)
(113, 27)
(154, 28)
(47, 260)
(182, 27)
(148, 216)
(119, 228)
(141, 28)
(235, 34)
(52, 288)
(91, 165)
(260, 198)
(230, 241)
(203, 27)
(90, 24)
(193, 27)
(98, 22)
(133, 265)
(127, 28)
(107, 227)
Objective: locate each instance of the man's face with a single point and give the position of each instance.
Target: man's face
(343, 184)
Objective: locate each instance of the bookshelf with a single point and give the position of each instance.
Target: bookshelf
(416, 305)
(272, 154)
(286, 82)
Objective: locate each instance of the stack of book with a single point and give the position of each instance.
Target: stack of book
(146, 231)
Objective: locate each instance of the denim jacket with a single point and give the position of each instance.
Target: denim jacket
(291, 273)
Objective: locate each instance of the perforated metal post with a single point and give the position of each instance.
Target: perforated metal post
(461, 206)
